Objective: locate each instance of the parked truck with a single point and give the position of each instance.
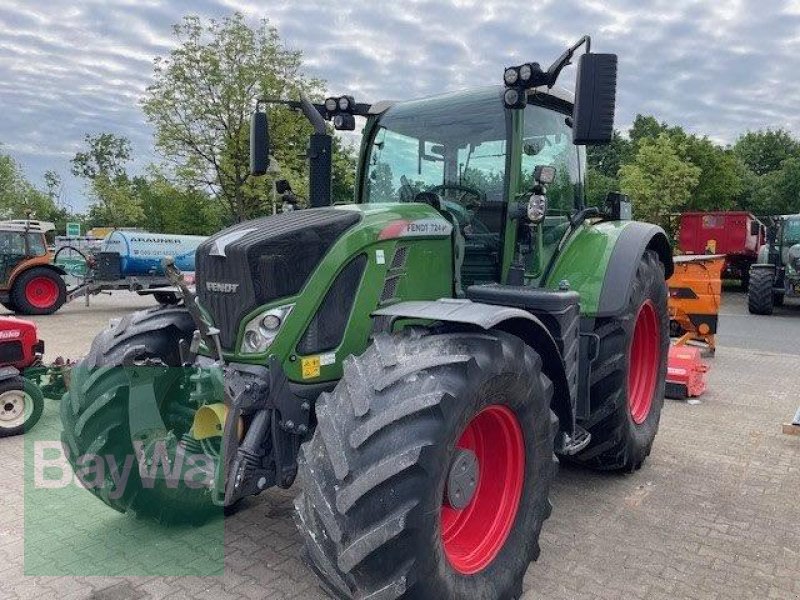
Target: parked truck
(414, 358)
(736, 234)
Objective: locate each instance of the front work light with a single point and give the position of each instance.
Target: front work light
(515, 98)
(511, 76)
(260, 332)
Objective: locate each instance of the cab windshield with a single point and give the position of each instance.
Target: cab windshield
(454, 145)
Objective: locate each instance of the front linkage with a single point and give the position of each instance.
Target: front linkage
(278, 420)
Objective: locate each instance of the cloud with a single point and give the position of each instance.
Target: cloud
(718, 69)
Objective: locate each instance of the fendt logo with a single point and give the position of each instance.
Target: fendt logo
(222, 288)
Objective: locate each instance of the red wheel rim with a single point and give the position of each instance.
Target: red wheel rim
(41, 292)
(473, 537)
(645, 359)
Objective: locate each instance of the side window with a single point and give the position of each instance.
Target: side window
(547, 140)
(12, 243)
(36, 245)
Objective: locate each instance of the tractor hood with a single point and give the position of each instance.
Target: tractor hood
(258, 262)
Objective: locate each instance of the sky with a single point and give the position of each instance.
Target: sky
(718, 68)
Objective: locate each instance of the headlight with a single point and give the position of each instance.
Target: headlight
(510, 76)
(537, 208)
(330, 104)
(260, 332)
(344, 103)
(525, 72)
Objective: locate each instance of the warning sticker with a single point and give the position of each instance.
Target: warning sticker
(310, 367)
(327, 359)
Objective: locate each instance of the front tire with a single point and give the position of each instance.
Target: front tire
(21, 406)
(760, 297)
(628, 376)
(39, 291)
(377, 513)
(95, 415)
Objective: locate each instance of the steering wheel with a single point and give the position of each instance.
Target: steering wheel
(478, 197)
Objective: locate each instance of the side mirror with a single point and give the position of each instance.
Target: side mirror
(259, 143)
(595, 99)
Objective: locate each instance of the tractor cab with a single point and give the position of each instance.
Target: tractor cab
(474, 161)
(19, 243)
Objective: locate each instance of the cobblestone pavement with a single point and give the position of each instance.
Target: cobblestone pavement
(714, 513)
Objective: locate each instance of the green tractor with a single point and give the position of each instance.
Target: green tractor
(776, 273)
(417, 359)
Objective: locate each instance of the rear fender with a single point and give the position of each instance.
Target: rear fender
(515, 321)
(43, 262)
(600, 261)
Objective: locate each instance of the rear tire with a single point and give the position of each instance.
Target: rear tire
(39, 291)
(95, 417)
(628, 376)
(760, 297)
(372, 512)
(21, 406)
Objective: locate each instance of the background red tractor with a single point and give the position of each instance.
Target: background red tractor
(23, 378)
(29, 283)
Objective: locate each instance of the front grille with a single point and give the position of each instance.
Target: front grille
(326, 330)
(263, 260)
(11, 352)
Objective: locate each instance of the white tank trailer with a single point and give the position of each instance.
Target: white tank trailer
(131, 260)
(141, 252)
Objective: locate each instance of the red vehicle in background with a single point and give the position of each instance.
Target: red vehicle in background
(736, 234)
(21, 400)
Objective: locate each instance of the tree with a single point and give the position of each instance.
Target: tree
(104, 165)
(722, 174)
(19, 198)
(106, 155)
(659, 181)
(174, 209)
(598, 186)
(778, 192)
(606, 159)
(344, 172)
(764, 151)
(200, 102)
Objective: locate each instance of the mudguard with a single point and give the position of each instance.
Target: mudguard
(503, 318)
(600, 260)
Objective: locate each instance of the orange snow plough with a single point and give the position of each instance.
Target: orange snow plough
(695, 291)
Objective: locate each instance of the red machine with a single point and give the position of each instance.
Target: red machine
(736, 234)
(21, 400)
(686, 373)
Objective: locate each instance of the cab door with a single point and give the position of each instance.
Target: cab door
(547, 140)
